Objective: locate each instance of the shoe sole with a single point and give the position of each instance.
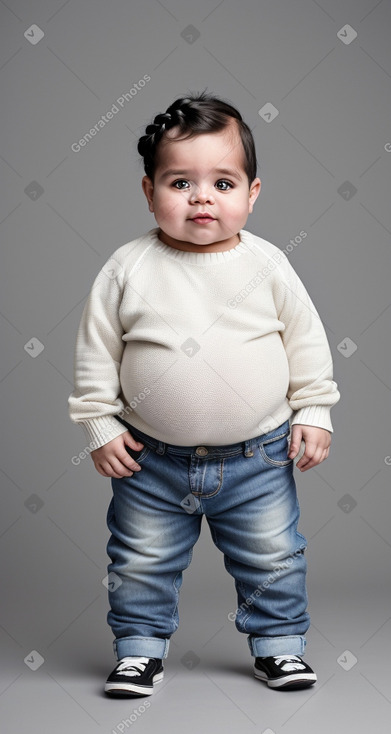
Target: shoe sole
(291, 681)
(132, 689)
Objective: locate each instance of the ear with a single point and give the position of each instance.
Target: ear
(255, 189)
(147, 187)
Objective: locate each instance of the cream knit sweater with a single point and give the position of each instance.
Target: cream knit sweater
(199, 348)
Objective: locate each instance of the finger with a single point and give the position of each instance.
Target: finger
(293, 450)
(319, 456)
(295, 442)
(110, 468)
(129, 462)
(125, 463)
(132, 443)
(116, 469)
(308, 457)
(102, 471)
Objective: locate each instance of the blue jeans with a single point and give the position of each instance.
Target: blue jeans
(248, 495)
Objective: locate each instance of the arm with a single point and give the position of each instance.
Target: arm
(312, 391)
(97, 358)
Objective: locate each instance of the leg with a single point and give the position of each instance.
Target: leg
(151, 543)
(254, 523)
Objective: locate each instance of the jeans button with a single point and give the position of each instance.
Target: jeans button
(201, 451)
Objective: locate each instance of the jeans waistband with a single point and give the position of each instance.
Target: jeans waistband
(246, 447)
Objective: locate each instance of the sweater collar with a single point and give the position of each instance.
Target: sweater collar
(245, 246)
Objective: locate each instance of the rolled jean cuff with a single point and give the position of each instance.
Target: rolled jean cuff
(148, 647)
(264, 647)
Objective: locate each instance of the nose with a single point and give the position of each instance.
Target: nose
(202, 194)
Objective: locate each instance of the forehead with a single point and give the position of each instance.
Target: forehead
(223, 148)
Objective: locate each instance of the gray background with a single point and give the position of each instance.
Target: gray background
(325, 166)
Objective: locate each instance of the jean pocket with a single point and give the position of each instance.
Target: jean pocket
(139, 456)
(275, 450)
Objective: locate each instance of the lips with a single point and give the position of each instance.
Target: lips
(202, 218)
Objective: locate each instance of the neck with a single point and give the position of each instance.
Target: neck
(221, 246)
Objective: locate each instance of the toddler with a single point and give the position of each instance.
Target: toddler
(202, 371)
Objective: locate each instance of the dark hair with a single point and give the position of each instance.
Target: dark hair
(196, 114)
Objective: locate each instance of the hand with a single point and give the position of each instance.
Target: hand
(112, 459)
(317, 442)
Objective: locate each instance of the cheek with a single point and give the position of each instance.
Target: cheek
(166, 205)
(236, 209)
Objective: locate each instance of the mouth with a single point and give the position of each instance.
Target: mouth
(202, 219)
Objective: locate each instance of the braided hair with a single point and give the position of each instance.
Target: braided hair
(194, 115)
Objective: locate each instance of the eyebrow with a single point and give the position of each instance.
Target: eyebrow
(225, 171)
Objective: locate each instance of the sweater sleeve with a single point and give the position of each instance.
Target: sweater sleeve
(97, 358)
(312, 391)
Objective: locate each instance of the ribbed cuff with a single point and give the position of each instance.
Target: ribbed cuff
(314, 415)
(100, 431)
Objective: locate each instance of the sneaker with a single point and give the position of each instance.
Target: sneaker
(134, 676)
(284, 671)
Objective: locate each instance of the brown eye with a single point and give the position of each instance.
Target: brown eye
(227, 183)
(180, 181)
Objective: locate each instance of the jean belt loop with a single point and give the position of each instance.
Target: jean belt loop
(248, 448)
(161, 447)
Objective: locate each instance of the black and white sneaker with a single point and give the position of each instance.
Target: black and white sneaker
(284, 671)
(134, 676)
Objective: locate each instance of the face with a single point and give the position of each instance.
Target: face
(202, 175)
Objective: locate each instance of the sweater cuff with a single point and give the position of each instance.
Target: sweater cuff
(313, 415)
(100, 431)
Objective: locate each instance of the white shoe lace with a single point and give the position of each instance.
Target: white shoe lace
(132, 666)
(289, 662)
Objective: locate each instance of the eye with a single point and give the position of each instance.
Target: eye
(226, 183)
(180, 181)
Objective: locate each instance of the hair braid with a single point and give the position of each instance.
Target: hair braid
(147, 144)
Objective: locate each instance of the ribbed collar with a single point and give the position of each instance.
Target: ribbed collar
(245, 246)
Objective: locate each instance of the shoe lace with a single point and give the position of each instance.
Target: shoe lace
(133, 665)
(289, 662)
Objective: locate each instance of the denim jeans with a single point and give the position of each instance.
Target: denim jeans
(248, 495)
